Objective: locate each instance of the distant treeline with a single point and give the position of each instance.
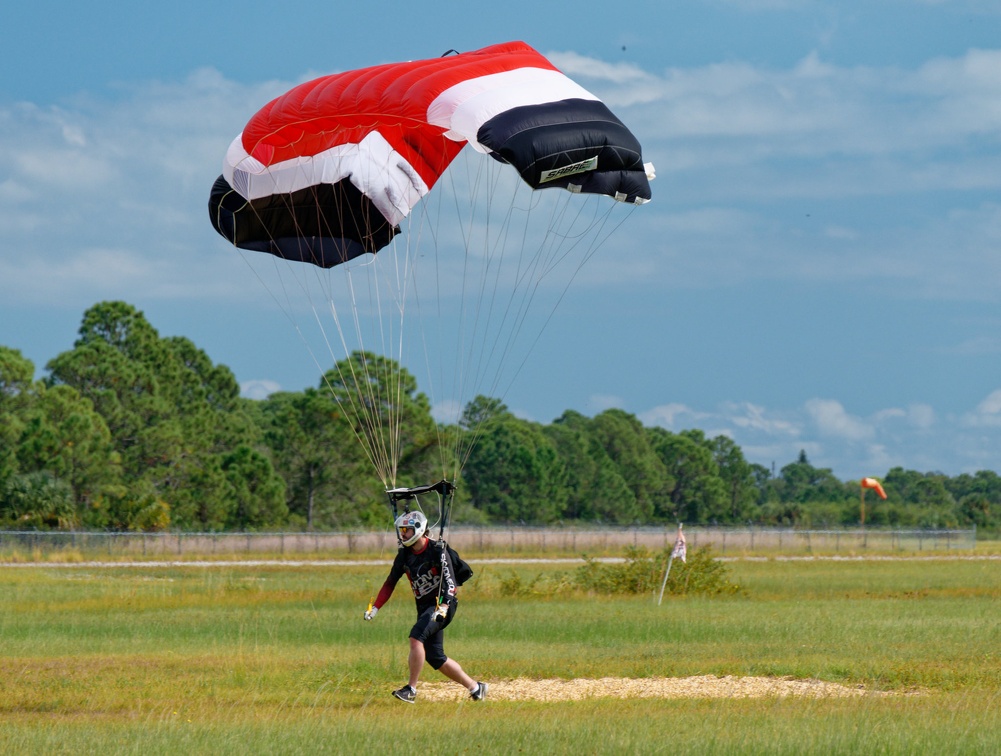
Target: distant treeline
(133, 431)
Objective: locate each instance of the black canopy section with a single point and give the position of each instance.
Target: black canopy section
(570, 142)
(325, 225)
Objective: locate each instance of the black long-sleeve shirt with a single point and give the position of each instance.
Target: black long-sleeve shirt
(427, 571)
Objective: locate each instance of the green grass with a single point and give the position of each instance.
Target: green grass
(277, 660)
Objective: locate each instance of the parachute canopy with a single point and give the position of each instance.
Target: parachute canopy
(327, 171)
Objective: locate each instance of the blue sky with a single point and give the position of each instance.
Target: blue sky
(818, 270)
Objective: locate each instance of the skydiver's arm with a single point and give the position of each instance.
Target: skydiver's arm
(395, 573)
(384, 593)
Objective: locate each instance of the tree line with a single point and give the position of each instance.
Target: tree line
(133, 431)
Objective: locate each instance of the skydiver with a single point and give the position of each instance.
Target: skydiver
(421, 560)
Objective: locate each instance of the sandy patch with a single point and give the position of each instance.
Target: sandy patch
(704, 686)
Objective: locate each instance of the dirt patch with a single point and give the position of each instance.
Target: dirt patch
(704, 686)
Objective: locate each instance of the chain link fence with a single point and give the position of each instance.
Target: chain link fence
(484, 542)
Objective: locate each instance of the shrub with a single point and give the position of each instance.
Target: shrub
(540, 585)
(641, 572)
(37, 500)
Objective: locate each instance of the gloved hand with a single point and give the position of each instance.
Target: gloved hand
(371, 612)
(440, 613)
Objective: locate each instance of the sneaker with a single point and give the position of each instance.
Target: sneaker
(406, 693)
(480, 693)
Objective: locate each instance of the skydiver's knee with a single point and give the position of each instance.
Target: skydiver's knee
(436, 660)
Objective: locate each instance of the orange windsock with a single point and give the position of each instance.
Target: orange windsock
(875, 485)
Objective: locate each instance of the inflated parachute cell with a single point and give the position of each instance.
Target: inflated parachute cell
(327, 171)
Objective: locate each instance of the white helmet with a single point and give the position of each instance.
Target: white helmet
(415, 520)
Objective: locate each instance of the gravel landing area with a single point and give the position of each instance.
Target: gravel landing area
(704, 686)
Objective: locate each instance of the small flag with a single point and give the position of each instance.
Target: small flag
(875, 485)
(679, 547)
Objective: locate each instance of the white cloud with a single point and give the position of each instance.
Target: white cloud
(753, 417)
(574, 65)
(672, 416)
(921, 416)
(992, 404)
(106, 199)
(878, 457)
(831, 419)
(258, 389)
(987, 413)
(737, 145)
(600, 402)
(977, 345)
(447, 412)
(811, 110)
(915, 437)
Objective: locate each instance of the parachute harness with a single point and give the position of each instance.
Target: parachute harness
(406, 497)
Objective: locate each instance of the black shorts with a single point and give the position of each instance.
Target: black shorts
(431, 633)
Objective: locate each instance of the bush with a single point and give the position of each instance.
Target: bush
(37, 500)
(540, 585)
(641, 572)
(702, 575)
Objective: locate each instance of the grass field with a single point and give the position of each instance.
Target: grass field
(232, 659)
